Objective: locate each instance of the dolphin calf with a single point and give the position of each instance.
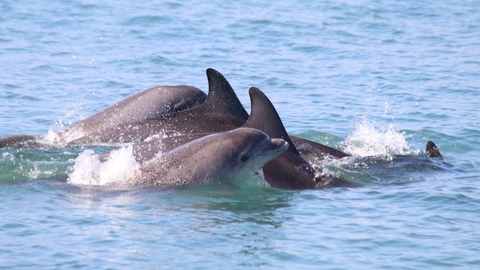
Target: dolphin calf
(215, 157)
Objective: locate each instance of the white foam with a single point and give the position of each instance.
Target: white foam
(52, 138)
(120, 167)
(366, 140)
(60, 140)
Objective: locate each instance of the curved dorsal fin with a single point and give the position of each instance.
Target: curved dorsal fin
(221, 96)
(264, 117)
(290, 170)
(431, 150)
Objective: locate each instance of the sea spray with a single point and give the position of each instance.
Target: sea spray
(119, 168)
(366, 140)
(58, 139)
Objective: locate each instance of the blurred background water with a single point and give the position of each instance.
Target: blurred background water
(373, 78)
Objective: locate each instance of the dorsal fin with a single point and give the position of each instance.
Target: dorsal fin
(264, 116)
(290, 170)
(432, 150)
(221, 96)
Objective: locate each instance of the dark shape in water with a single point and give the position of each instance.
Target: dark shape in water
(432, 150)
(16, 139)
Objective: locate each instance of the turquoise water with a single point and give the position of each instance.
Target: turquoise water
(373, 78)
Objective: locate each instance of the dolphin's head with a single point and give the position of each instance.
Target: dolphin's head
(249, 149)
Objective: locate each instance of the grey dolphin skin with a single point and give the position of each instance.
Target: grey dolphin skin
(151, 104)
(214, 157)
(220, 112)
(154, 103)
(215, 112)
(16, 139)
(316, 152)
(173, 110)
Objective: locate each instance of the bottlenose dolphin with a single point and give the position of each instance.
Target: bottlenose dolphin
(17, 139)
(143, 115)
(290, 170)
(154, 103)
(173, 111)
(151, 104)
(214, 157)
(316, 152)
(221, 111)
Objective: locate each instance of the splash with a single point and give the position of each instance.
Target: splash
(366, 140)
(61, 139)
(52, 138)
(119, 168)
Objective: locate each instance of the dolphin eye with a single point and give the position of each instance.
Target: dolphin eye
(244, 158)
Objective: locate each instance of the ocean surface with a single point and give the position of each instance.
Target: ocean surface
(376, 79)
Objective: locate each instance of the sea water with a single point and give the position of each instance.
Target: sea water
(376, 79)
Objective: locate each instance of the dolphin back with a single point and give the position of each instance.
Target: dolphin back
(15, 140)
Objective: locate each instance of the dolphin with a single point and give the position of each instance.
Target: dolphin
(215, 157)
(144, 114)
(316, 152)
(151, 104)
(290, 170)
(154, 103)
(293, 169)
(17, 139)
(174, 111)
(220, 112)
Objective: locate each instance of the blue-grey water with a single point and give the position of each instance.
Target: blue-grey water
(373, 78)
